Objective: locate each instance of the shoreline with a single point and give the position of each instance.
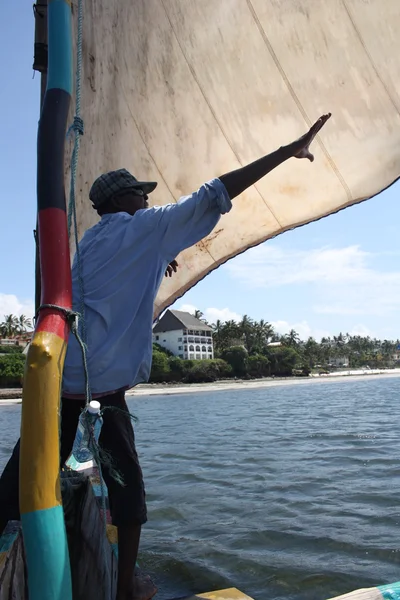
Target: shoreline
(13, 396)
(168, 389)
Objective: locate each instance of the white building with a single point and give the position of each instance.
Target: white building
(184, 335)
(339, 361)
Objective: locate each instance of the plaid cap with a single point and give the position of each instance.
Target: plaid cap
(109, 184)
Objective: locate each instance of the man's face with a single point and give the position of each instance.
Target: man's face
(131, 201)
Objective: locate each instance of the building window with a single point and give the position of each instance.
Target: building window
(197, 356)
(181, 356)
(210, 350)
(185, 348)
(179, 339)
(197, 348)
(203, 349)
(157, 337)
(191, 348)
(179, 347)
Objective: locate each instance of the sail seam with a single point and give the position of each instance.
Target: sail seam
(193, 72)
(199, 244)
(369, 56)
(145, 145)
(296, 99)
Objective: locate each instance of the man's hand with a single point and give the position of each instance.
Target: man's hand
(172, 268)
(301, 146)
(239, 180)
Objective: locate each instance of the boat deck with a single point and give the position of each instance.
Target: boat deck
(229, 594)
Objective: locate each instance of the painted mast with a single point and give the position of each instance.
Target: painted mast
(49, 575)
(40, 64)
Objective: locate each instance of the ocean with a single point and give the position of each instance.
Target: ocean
(284, 492)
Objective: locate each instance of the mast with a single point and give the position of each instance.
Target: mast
(49, 575)
(40, 64)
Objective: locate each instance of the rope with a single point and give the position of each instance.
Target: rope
(69, 314)
(77, 129)
(78, 327)
(101, 457)
(72, 318)
(120, 410)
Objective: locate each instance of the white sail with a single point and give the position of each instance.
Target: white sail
(180, 91)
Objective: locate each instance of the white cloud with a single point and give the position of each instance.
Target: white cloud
(303, 328)
(10, 304)
(361, 330)
(190, 308)
(343, 280)
(212, 314)
(222, 314)
(271, 266)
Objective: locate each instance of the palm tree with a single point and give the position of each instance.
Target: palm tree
(9, 327)
(24, 323)
(340, 340)
(292, 339)
(246, 326)
(233, 333)
(311, 352)
(198, 315)
(264, 332)
(217, 326)
(218, 335)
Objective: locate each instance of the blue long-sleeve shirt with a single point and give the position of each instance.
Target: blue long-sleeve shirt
(124, 259)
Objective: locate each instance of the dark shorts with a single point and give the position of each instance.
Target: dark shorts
(127, 502)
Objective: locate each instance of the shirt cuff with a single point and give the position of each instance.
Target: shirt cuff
(223, 200)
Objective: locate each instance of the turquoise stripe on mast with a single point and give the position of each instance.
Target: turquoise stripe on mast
(391, 591)
(60, 46)
(47, 554)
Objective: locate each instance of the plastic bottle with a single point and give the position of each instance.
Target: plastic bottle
(89, 425)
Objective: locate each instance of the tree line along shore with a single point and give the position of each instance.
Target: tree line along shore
(248, 349)
(252, 349)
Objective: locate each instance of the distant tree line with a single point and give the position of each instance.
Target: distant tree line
(242, 350)
(253, 349)
(12, 364)
(12, 361)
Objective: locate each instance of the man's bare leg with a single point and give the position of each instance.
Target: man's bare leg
(129, 586)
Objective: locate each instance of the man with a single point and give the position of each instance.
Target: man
(124, 258)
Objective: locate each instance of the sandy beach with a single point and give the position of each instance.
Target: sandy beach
(13, 396)
(218, 386)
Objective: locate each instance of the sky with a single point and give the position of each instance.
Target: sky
(339, 274)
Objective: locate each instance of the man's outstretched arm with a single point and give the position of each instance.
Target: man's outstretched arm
(239, 180)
